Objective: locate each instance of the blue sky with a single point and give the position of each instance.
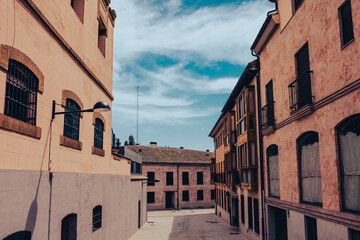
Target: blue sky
(186, 56)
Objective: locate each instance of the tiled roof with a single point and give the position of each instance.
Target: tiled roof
(171, 155)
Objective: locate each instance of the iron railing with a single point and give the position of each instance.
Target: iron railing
(300, 91)
(267, 115)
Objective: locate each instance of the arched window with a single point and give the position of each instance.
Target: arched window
(69, 227)
(23, 235)
(98, 133)
(349, 152)
(97, 215)
(21, 93)
(309, 163)
(273, 168)
(72, 120)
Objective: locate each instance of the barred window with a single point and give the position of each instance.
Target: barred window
(97, 212)
(98, 133)
(21, 93)
(72, 120)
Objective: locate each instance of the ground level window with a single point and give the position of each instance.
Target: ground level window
(310, 228)
(200, 195)
(212, 194)
(185, 196)
(150, 197)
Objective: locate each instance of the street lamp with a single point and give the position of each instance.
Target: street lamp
(98, 107)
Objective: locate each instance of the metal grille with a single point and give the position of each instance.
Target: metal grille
(21, 93)
(71, 120)
(97, 212)
(267, 115)
(300, 91)
(98, 133)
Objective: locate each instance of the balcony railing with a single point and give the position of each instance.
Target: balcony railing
(267, 115)
(300, 91)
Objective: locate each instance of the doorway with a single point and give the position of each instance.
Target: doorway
(277, 224)
(235, 214)
(169, 200)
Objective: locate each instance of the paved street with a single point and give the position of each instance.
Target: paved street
(186, 224)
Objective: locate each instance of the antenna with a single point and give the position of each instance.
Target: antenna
(137, 113)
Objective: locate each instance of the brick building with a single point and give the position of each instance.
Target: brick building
(310, 97)
(237, 166)
(184, 177)
(58, 176)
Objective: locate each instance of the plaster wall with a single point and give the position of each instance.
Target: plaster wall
(160, 187)
(61, 72)
(331, 231)
(27, 203)
(333, 68)
(221, 212)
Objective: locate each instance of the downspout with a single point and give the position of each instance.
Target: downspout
(261, 156)
(178, 191)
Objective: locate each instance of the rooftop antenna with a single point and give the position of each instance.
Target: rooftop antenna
(137, 113)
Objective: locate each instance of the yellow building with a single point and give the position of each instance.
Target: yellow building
(58, 176)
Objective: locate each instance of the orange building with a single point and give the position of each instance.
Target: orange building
(58, 176)
(310, 97)
(237, 166)
(178, 178)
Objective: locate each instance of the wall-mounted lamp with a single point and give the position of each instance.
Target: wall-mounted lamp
(98, 107)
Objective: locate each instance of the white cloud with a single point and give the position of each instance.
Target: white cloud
(204, 36)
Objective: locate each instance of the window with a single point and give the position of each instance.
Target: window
(348, 133)
(273, 163)
(69, 227)
(300, 89)
(212, 194)
(297, 4)
(185, 196)
(22, 235)
(353, 234)
(97, 215)
(242, 155)
(21, 93)
(310, 228)
(200, 178)
(150, 197)
(71, 120)
(185, 178)
(151, 178)
(242, 209)
(200, 195)
(256, 216)
(169, 178)
(98, 133)
(346, 24)
(102, 34)
(250, 214)
(78, 6)
(267, 112)
(309, 163)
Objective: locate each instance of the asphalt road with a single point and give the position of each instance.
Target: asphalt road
(200, 224)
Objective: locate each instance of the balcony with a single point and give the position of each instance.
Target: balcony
(249, 179)
(267, 115)
(300, 92)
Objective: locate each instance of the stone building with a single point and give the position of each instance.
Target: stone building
(184, 177)
(58, 176)
(310, 96)
(237, 167)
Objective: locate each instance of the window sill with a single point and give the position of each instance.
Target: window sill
(98, 151)
(14, 125)
(70, 143)
(347, 44)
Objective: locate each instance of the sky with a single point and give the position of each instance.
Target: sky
(186, 56)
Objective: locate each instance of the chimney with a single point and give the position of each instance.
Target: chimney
(153, 144)
(181, 147)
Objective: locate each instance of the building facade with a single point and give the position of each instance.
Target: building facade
(177, 178)
(58, 176)
(310, 98)
(237, 167)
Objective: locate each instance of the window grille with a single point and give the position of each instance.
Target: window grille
(97, 215)
(21, 93)
(98, 133)
(71, 120)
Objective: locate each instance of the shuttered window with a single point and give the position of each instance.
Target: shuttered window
(273, 163)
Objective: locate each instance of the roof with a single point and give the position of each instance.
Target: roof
(171, 155)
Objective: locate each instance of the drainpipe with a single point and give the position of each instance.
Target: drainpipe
(264, 233)
(177, 195)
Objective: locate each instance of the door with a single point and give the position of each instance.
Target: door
(169, 200)
(277, 224)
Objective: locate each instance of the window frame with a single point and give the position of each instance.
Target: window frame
(270, 148)
(72, 116)
(341, 25)
(97, 213)
(99, 131)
